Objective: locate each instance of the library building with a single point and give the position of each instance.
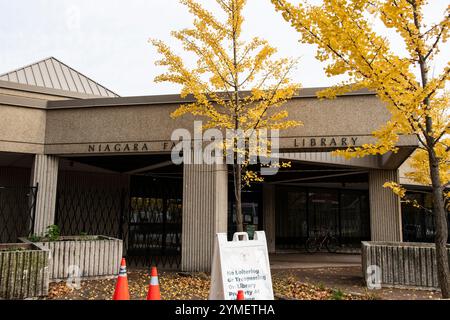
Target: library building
(77, 155)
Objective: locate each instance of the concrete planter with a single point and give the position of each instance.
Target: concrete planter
(23, 271)
(402, 264)
(89, 257)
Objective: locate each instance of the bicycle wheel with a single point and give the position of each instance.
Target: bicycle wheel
(332, 244)
(311, 245)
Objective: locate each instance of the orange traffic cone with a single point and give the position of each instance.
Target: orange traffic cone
(122, 292)
(240, 295)
(153, 289)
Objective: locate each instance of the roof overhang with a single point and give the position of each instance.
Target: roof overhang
(142, 125)
(45, 91)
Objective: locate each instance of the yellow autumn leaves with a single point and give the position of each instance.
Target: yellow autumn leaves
(346, 40)
(236, 84)
(240, 85)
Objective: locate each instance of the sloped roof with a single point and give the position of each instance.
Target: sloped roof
(53, 74)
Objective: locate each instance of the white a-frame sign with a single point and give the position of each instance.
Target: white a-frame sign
(241, 264)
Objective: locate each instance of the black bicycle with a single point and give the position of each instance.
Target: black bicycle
(318, 242)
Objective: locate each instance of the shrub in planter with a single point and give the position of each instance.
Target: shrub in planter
(83, 256)
(23, 271)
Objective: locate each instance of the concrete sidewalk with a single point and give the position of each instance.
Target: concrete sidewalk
(316, 260)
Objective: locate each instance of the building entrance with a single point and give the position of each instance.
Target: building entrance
(306, 212)
(155, 222)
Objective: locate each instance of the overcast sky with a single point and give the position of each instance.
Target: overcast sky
(107, 40)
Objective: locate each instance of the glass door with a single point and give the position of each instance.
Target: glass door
(323, 212)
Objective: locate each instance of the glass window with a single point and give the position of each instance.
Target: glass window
(350, 218)
(413, 219)
(302, 213)
(251, 211)
(291, 218)
(323, 211)
(418, 223)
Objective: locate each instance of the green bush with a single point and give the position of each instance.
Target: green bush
(53, 233)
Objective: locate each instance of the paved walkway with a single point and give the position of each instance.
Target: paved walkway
(316, 260)
(338, 271)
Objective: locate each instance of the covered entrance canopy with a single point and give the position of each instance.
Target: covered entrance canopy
(73, 139)
(140, 198)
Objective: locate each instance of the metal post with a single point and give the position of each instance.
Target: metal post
(35, 191)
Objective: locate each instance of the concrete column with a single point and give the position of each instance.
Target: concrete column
(44, 173)
(269, 215)
(385, 209)
(205, 210)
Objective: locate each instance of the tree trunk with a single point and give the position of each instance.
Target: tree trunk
(441, 226)
(237, 169)
(237, 195)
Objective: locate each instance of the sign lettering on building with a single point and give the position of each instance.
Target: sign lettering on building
(132, 147)
(325, 142)
(153, 146)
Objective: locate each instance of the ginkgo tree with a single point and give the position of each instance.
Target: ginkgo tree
(345, 34)
(236, 84)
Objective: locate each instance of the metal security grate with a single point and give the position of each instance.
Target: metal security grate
(17, 211)
(93, 211)
(147, 217)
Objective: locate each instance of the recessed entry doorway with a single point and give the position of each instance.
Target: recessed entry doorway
(135, 198)
(305, 212)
